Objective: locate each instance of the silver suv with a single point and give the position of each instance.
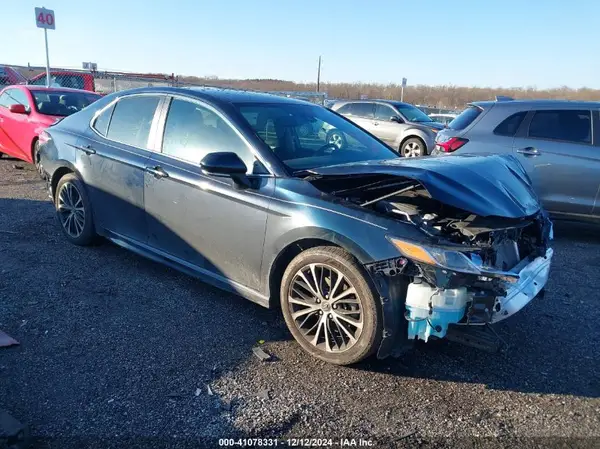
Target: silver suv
(557, 141)
(402, 126)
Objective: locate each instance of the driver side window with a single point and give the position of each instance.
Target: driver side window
(192, 131)
(383, 112)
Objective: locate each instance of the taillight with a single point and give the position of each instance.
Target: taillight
(452, 144)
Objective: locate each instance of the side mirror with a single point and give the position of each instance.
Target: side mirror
(396, 119)
(223, 163)
(18, 109)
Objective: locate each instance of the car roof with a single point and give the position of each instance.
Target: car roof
(55, 89)
(219, 94)
(559, 104)
(376, 100)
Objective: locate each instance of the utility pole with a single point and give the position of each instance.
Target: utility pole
(319, 75)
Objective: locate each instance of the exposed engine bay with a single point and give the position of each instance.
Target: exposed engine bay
(499, 251)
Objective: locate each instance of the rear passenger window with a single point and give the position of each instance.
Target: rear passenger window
(346, 109)
(564, 125)
(363, 109)
(102, 121)
(510, 125)
(132, 119)
(465, 118)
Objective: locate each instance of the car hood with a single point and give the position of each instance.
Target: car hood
(434, 125)
(491, 185)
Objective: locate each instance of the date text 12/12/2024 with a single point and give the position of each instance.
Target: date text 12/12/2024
(295, 442)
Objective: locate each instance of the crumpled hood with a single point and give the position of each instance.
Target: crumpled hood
(487, 185)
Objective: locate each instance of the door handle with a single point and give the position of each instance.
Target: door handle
(157, 171)
(88, 149)
(376, 123)
(529, 151)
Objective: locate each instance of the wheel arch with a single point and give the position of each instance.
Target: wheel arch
(415, 135)
(64, 169)
(309, 238)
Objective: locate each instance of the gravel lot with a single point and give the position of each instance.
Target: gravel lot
(118, 351)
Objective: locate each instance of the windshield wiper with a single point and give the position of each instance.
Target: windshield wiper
(303, 173)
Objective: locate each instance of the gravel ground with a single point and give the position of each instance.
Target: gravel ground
(118, 351)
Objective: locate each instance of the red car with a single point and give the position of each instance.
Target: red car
(66, 78)
(9, 76)
(25, 111)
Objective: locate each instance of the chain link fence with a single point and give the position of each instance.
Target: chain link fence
(106, 82)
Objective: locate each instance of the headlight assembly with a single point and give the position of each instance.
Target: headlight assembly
(451, 260)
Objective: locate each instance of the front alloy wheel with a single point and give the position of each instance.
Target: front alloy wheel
(413, 147)
(329, 306)
(325, 307)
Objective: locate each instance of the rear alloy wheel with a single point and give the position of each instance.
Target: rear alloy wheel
(36, 159)
(74, 211)
(413, 147)
(329, 306)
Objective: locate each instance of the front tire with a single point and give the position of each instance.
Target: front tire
(330, 307)
(74, 211)
(413, 147)
(35, 155)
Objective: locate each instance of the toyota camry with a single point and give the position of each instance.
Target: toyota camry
(363, 251)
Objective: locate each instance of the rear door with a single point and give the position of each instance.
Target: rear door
(558, 153)
(360, 113)
(115, 153)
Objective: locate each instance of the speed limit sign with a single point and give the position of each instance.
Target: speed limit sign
(44, 18)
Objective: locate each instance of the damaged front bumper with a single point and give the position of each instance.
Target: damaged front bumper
(403, 323)
(532, 279)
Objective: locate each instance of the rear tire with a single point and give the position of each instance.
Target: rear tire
(74, 211)
(330, 306)
(413, 147)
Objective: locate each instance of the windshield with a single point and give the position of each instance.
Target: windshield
(61, 103)
(307, 136)
(412, 113)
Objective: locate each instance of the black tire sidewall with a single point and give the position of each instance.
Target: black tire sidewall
(88, 234)
(370, 337)
(417, 140)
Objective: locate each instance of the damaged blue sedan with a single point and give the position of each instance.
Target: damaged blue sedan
(363, 251)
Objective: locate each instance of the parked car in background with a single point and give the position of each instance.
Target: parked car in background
(26, 110)
(9, 76)
(444, 119)
(558, 143)
(65, 78)
(363, 251)
(404, 127)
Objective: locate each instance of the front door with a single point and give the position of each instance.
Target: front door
(16, 130)
(386, 129)
(113, 160)
(202, 220)
(559, 156)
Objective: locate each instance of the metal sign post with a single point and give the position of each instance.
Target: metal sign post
(402, 89)
(44, 18)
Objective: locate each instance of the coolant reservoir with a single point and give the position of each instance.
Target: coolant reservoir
(430, 310)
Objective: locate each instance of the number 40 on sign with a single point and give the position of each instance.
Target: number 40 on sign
(44, 18)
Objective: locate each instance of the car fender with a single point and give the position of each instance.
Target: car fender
(414, 131)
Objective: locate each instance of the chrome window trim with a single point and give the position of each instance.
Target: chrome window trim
(211, 108)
